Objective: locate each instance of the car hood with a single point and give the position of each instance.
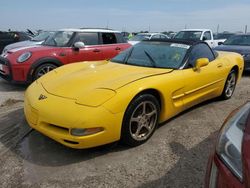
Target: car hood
(33, 48)
(81, 79)
(22, 44)
(234, 48)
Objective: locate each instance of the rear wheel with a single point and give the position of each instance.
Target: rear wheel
(229, 85)
(43, 69)
(140, 120)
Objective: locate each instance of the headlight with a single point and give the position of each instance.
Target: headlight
(24, 57)
(229, 147)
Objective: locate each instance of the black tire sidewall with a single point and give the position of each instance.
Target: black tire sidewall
(126, 137)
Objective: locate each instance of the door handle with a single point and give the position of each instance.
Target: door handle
(96, 50)
(219, 65)
(118, 48)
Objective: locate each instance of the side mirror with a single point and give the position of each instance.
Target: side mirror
(202, 62)
(78, 45)
(220, 43)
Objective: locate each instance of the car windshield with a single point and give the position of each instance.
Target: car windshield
(154, 54)
(59, 39)
(194, 35)
(42, 36)
(243, 40)
(139, 37)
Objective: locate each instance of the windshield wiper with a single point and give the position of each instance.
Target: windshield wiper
(152, 61)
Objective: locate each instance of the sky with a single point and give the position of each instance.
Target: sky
(126, 15)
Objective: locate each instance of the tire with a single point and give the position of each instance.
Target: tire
(140, 120)
(229, 85)
(43, 69)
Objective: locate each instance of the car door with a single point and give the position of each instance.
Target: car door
(207, 81)
(207, 37)
(112, 44)
(92, 50)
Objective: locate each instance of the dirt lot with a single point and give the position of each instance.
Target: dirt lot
(175, 156)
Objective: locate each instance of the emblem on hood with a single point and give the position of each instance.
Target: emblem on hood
(42, 97)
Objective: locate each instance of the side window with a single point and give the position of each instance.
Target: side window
(207, 35)
(108, 38)
(163, 37)
(200, 51)
(155, 37)
(120, 38)
(87, 38)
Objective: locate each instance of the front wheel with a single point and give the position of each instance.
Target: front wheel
(140, 120)
(229, 85)
(43, 69)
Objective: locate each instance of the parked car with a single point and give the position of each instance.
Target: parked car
(144, 36)
(7, 38)
(240, 44)
(64, 47)
(84, 105)
(205, 35)
(222, 37)
(229, 164)
(39, 39)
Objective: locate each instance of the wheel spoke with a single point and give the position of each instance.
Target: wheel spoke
(144, 107)
(135, 119)
(148, 127)
(138, 130)
(151, 113)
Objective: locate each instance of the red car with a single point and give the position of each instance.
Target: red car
(229, 164)
(23, 65)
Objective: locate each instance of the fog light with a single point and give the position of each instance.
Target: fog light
(85, 132)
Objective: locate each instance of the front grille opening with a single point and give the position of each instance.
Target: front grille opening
(71, 142)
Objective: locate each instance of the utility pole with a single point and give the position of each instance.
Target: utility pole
(245, 29)
(218, 27)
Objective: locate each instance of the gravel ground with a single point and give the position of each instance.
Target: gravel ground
(175, 156)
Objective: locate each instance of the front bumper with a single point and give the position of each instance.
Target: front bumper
(219, 176)
(5, 69)
(16, 74)
(56, 116)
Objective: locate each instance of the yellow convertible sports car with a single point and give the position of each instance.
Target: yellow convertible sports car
(88, 104)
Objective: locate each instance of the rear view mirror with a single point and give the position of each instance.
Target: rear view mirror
(201, 63)
(78, 45)
(204, 38)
